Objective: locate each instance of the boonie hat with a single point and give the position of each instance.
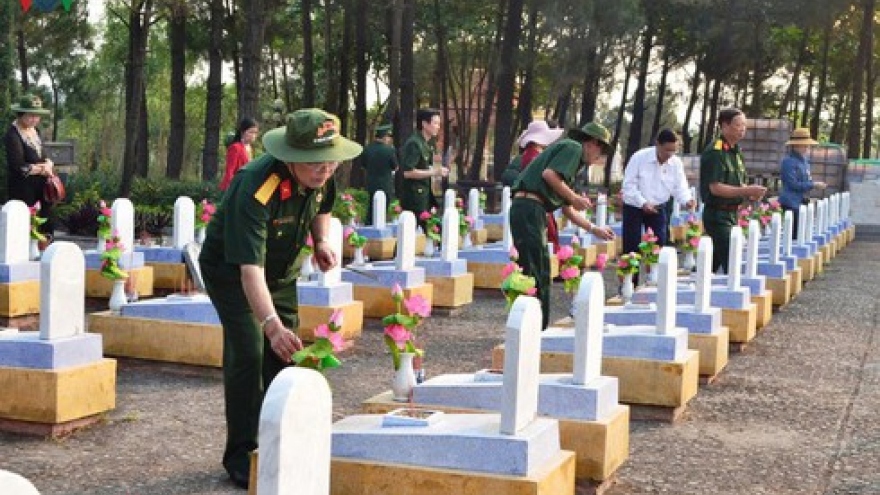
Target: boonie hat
(30, 104)
(310, 136)
(540, 133)
(593, 130)
(801, 136)
(384, 130)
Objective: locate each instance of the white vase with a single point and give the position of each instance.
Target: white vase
(466, 242)
(359, 259)
(201, 232)
(689, 261)
(117, 296)
(653, 271)
(429, 248)
(307, 269)
(404, 378)
(101, 246)
(626, 288)
(35, 250)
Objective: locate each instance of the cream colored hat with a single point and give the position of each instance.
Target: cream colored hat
(801, 136)
(540, 133)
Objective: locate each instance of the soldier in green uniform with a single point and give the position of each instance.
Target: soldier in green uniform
(546, 185)
(380, 161)
(249, 263)
(417, 164)
(723, 184)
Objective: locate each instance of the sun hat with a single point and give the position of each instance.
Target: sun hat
(801, 136)
(384, 130)
(310, 136)
(30, 104)
(592, 130)
(540, 133)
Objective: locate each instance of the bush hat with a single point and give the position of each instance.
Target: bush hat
(592, 130)
(384, 130)
(801, 136)
(539, 133)
(30, 104)
(310, 136)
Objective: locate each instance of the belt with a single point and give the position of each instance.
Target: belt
(529, 195)
(725, 207)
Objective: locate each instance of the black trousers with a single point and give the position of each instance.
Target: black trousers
(633, 221)
(529, 233)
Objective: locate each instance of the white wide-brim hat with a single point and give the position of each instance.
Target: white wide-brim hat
(540, 133)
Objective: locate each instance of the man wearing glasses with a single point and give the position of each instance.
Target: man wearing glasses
(251, 260)
(652, 176)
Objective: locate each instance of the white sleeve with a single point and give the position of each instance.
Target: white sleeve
(630, 187)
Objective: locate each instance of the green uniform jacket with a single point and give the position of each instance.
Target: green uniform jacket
(415, 194)
(723, 163)
(380, 160)
(565, 157)
(512, 171)
(264, 219)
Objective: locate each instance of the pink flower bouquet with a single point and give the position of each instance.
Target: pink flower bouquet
(320, 355)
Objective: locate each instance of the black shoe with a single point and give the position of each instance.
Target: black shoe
(241, 480)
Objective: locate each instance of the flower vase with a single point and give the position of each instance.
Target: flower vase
(626, 289)
(467, 242)
(404, 378)
(102, 245)
(35, 250)
(307, 269)
(653, 271)
(117, 296)
(689, 261)
(359, 259)
(429, 248)
(200, 234)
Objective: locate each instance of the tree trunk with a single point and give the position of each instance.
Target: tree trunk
(361, 67)
(22, 61)
(251, 57)
(692, 102)
(177, 103)
(142, 149)
(868, 41)
(393, 107)
(808, 100)
(609, 160)
(705, 126)
(593, 64)
(6, 81)
(638, 110)
(506, 83)
(214, 96)
(526, 92)
(838, 119)
(488, 100)
(440, 75)
(140, 15)
(791, 94)
(713, 112)
(308, 55)
(661, 94)
(407, 107)
(344, 77)
(823, 78)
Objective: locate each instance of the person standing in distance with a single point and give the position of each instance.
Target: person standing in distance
(417, 164)
(545, 186)
(380, 161)
(796, 179)
(250, 266)
(239, 149)
(652, 176)
(723, 184)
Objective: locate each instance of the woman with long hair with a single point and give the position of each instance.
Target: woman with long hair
(239, 150)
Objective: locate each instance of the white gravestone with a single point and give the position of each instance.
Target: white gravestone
(589, 309)
(734, 258)
(14, 484)
(183, 231)
(406, 242)
(811, 222)
(449, 235)
(507, 238)
(379, 209)
(751, 250)
(787, 225)
(15, 227)
(62, 291)
(505, 199)
(522, 358)
(601, 214)
(703, 287)
(295, 433)
(333, 276)
(775, 237)
(122, 222)
(666, 291)
(449, 199)
(473, 206)
(802, 225)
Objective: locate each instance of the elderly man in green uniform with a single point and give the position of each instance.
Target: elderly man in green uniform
(380, 162)
(249, 263)
(417, 164)
(546, 185)
(723, 184)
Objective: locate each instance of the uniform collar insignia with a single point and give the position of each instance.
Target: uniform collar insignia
(286, 189)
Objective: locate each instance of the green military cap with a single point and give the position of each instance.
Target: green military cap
(592, 130)
(384, 130)
(310, 136)
(30, 104)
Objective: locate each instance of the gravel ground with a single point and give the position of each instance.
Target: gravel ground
(795, 413)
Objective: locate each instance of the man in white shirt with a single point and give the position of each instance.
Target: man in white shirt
(652, 176)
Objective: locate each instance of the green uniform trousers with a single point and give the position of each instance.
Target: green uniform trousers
(249, 364)
(529, 233)
(717, 224)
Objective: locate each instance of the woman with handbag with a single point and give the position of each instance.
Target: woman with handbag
(28, 168)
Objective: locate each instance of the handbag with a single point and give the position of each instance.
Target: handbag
(53, 191)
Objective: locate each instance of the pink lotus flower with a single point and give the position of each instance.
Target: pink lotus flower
(508, 269)
(397, 293)
(398, 333)
(564, 253)
(418, 305)
(336, 319)
(601, 261)
(514, 254)
(469, 220)
(335, 338)
(309, 241)
(695, 242)
(569, 273)
(424, 215)
(347, 232)
(532, 292)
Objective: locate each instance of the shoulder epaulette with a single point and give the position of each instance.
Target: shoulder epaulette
(264, 193)
(719, 145)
